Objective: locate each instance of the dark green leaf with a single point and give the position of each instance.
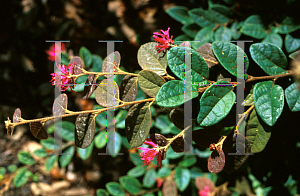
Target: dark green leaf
(182, 38)
(190, 29)
(25, 158)
(136, 158)
(269, 57)
(132, 185)
(172, 94)
(150, 82)
(182, 178)
(128, 89)
(188, 161)
(137, 124)
(120, 119)
(115, 189)
(273, 38)
(137, 171)
(173, 155)
(50, 161)
(149, 178)
(100, 139)
(288, 25)
(66, 130)
(102, 94)
(268, 101)
(223, 34)
(101, 118)
(215, 103)
(258, 133)
(85, 153)
(196, 172)
(202, 17)
(219, 13)
(86, 56)
(149, 59)
(236, 34)
(66, 157)
(163, 172)
(254, 27)
(49, 144)
(292, 95)
(84, 130)
(291, 44)
(65, 58)
(229, 55)
(97, 63)
(180, 14)
(20, 177)
(2, 172)
(79, 84)
(205, 35)
(101, 192)
(12, 168)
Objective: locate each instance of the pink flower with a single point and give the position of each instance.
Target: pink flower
(164, 41)
(149, 154)
(159, 182)
(205, 192)
(66, 80)
(51, 51)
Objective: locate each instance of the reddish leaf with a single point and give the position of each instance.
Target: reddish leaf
(112, 59)
(216, 161)
(185, 44)
(37, 130)
(202, 182)
(77, 68)
(159, 139)
(17, 116)
(60, 104)
(207, 54)
(128, 89)
(163, 154)
(89, 86)
(169, 187)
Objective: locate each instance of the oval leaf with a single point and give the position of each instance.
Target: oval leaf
(159, 139)
(205, 35)
(223, 34)
(149, 178)
(38, 130)
(50, 161)
(65, 130)
(50, 144)
(172, 94)
(17, 116)
(207, 54)
(169, 188)
(216, 161)
(66, 157)
(180, 14)
(114, 143)
(115, 189)
(182, 178)
(292, 95)
(288, 25)
(137, 124)
(273, 38)
(291, 44)
(269, 57)
(60, 105)
(84, 130)
(268, 101)
(215, 103)
(202, 17)
(128, 89)
(40, 152)
(25, 158)
(111, 63)
(150, 82)
(103, 94)
(77, 68)
(136, 171)
(132, 185)
(85, 153)
(21, 177)
(100, 139)
(86, 56)
(229, 55)
(89, 86)
(149, 59)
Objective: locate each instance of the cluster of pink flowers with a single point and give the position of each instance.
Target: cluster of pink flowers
(163, 40)
(66, 80)
(148, 154)
(205, 192)
(51, 51)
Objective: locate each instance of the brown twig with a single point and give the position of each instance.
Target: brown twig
(253, 78)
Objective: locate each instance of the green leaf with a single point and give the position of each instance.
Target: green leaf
(180, 14)
(269, 57)
(223, 34)
(273, 38)
(205, 35)
(137, 124)
(292, 95)
(85, 153)
(100, 139)
(163, 172)
(137, 171)
(181, 38)
(182, 178)
(249, 99)
(12, 168)
(196, 172)
(149, 178)
(173, 155)
(268, 101)
(132, 185)
(50, 161)
(190, 29)
(229, 55)
(101, 192)
(172, 94)
(136, 158)
(120, 119)
(66, 130)
(258, 133)
(236, 34)
(149, 59)
(150, 82)
(79, 84)
(21, 177)
(215, 103)
(219, 13)
(2, 172)
(49, 144)
(288, 25)
(115, 146)
(202, 17)
(84, 130)
(254, 27)
(66, 157)
(291, 44)
(101, 118)
(86, 56)
(97, 63)
(25, 158)
(176, 62)
(65, 58)
(188, 160)
(115, 189)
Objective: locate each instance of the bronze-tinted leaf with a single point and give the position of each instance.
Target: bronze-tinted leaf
(159, 139)
(37, 130)
(222, 190)
(77, 68)
(60, 104)
(128, 89)
(206, 136)
(216, 161)
(10, 130)
(103, 94)
(89, 86)
(113, 60)
(208, 55)
(17, 116)
(163, 154)
(137, 124)
(185, 44)
(177, 117)
(180, 145)
(202, 182)
(234, 162)
(150, 82)
(84, 130)
(169, 188)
